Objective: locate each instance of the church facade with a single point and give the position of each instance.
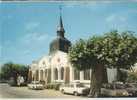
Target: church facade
(56, 67)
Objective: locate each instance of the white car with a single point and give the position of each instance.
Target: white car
(36, 85)
(74, 88)
(114, 90)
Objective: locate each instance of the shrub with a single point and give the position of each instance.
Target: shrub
(56, 86)
(132, 77)
(42, 82)
(52, 86)
(48, 86)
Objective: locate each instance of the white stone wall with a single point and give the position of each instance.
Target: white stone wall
(44, 62)
(59, 60)
(111, 74)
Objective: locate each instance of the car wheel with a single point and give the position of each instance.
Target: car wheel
(76, 93)
(62, 91)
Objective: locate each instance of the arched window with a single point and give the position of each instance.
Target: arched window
(46, 72)
(49, 75)
(41, 75)
(62, 73)
(76, 74)
(56, 74)
(86, 74)
(37, 75)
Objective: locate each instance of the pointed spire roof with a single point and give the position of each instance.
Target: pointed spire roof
(60, 29)
(61, 23)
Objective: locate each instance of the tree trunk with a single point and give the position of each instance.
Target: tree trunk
(105, 78)
(96, 80)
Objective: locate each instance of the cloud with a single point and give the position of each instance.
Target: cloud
(32, 25)
(114, 17)
(34, 37)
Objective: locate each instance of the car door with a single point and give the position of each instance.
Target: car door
(67, 88)
(70, 88)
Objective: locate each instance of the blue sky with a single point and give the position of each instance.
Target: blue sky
(26, 29)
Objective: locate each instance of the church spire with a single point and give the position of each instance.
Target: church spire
(60, 30)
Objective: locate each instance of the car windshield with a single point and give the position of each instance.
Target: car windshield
(129, 86)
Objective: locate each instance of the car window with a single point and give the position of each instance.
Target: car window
(135, 85)
(79, 85)
(129, 86)
(118, 86)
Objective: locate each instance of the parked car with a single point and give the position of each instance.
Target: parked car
(132, 89)
(73, 88)
(114, 90)
(36, 85)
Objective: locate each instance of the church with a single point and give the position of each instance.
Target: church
(55, 67)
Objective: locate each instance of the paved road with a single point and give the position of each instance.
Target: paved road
(7, 91)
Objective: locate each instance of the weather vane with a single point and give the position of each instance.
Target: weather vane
(60, 8)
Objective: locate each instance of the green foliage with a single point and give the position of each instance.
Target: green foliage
(9, 70)
(113, 49)
(132, 77)
(122, 49)
(78, 55)
(49, 86)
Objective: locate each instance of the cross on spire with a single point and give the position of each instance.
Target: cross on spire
(60, 8)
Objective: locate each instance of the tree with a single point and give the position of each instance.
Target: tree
(86, 54)
(122, 51)
(10, 69)
(100, 52)
(23, 71)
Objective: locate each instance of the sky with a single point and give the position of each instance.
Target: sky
(26, 29)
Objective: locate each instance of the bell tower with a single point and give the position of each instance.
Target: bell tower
(60, 42)
(60, 28)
